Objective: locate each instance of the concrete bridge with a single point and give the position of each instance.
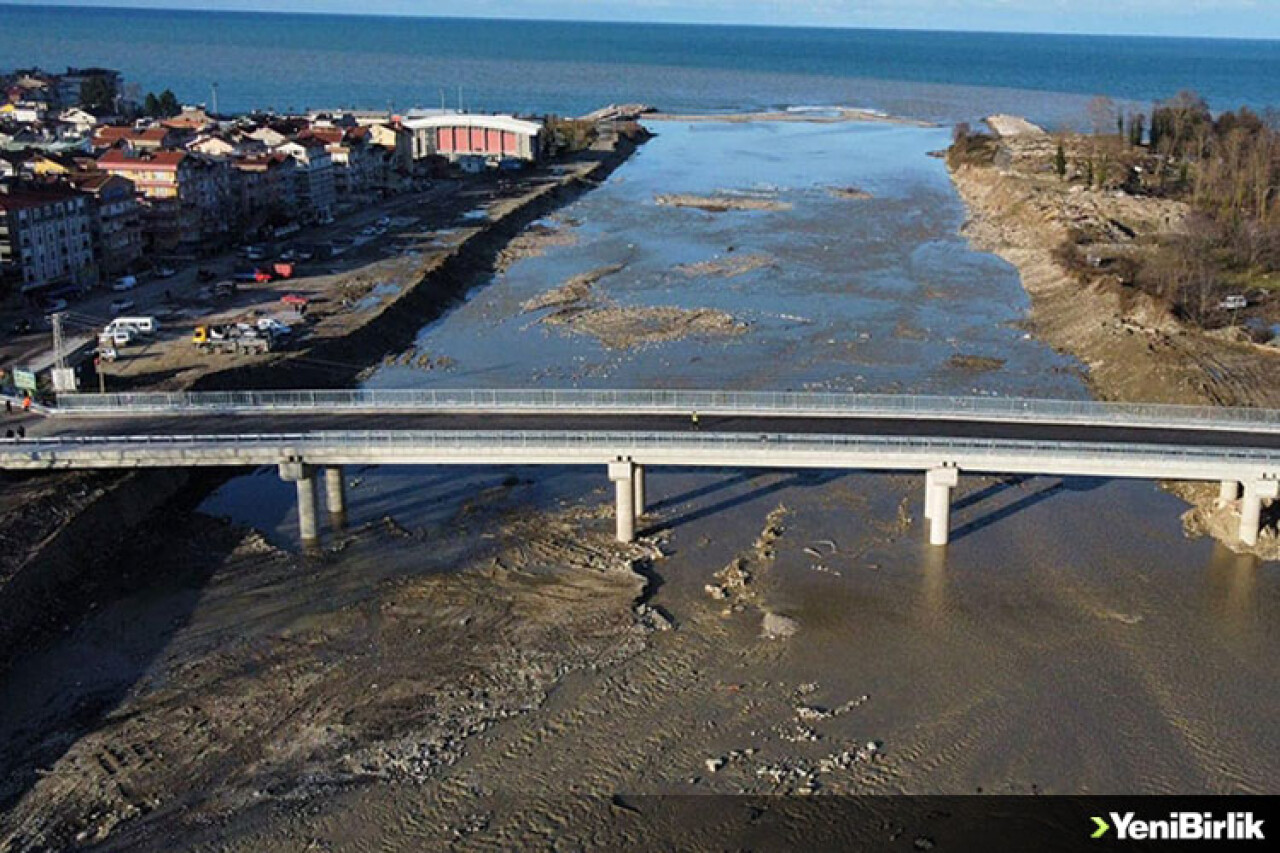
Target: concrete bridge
(311, 435)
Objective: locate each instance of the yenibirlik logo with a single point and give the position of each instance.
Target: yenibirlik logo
(1182, 826)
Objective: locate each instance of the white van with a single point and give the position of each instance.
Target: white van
(138, 325)
(115, 338)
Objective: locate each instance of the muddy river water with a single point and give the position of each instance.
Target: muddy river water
(1070, 638)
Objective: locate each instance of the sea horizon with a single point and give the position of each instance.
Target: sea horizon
(269, 60)
(642, 23)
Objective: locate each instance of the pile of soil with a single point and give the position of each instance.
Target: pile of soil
(728, 267)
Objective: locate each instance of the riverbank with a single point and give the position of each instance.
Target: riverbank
(46, 560)
(1133, 348)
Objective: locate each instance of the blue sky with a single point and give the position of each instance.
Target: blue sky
(1226, 18)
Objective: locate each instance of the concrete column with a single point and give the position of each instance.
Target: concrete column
(303, 476)
(937, 502)
(1228, 491)
(639, 480)
(623, 476)
(335, 495)
(1251, 507)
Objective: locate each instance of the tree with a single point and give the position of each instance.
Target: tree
(1102, 114)
(1137, 122)
(164, 106)
(169, 105)
(98, 95)
(1060, 161)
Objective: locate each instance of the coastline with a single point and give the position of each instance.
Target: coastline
(1132, 348)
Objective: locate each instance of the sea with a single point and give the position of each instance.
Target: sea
(296, 62)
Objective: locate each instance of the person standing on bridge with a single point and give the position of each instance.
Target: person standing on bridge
(694, 418)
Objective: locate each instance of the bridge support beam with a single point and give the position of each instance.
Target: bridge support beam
(622, 474)
(335, 496)
(640, 508)
(938, 483)
(1229, 491)
(304, 477)
(1251, 507)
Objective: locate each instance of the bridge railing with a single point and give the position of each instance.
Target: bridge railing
(609, 443)
(587, 401)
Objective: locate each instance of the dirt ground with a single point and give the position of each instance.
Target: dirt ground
(722, 203)
(578, 307)
(318, 699)
(1133, 349)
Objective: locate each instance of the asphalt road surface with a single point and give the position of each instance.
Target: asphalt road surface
(243, 424)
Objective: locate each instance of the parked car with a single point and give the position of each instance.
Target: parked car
(120, 305)
(108, 353)
(1234, 302)
(22, 327)
(128, 282)
(224, 290)
(166, 272)
(273, 326)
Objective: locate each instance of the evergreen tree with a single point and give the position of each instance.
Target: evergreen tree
(98, 95)
(151, 105)
(169, 105)
(1060, 161)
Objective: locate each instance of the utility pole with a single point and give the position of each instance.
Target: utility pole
(460, 109)
(64, 379)
(59, 358)
(215, 99)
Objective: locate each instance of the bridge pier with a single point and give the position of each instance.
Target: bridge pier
(640, 508)
(938, 483)
(304, 477)
(1229, 491)
(1251, 507)
(622, 473)
(335, 494)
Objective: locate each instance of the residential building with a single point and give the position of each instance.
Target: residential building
(213, 145)
(81, 121)
(353, 165)
(391, 137)
(186, 197)
(152, 138)
(70, 86)
(314, 187)
(263, 186)
(46, 236)
(117, 221)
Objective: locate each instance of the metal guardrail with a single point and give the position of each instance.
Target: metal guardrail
(657, 401)
(780, 403)
(621, 442)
